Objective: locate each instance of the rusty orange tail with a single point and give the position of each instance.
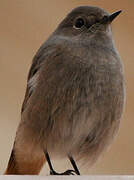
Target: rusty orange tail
(11, 169)
(23, 165)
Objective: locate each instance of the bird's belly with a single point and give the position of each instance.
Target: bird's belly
(85, 131)
(77, 118)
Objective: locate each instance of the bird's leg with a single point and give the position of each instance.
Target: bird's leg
(74, 165)
(53, 172)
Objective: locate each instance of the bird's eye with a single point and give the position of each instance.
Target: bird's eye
(79, 23)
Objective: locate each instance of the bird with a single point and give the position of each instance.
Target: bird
(74, 98)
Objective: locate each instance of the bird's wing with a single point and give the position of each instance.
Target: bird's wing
(33, 73)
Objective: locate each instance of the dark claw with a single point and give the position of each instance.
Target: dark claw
(68, 172)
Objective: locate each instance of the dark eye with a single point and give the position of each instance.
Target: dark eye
(79, 23)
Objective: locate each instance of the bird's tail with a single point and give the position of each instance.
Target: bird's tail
(24, 165)
(27, 157)
(11, 169)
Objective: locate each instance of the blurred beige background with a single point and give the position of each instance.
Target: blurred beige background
(24, 25)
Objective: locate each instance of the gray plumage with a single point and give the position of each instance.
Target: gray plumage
(75, 92)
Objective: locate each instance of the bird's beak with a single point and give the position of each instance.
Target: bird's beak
(110, 18)
(114, 15)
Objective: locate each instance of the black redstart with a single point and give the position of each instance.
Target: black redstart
(74, 97)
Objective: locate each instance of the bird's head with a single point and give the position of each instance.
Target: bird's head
(86, 20)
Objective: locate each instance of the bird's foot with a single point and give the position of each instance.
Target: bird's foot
(68, 172)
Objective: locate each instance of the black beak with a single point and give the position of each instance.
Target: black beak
(110, 18)
(114, 15)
